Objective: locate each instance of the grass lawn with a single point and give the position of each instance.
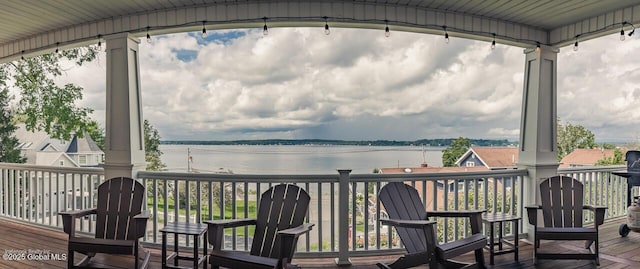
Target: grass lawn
(228, 212)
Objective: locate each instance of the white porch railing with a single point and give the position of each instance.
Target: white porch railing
(601, 187)
(35, 194)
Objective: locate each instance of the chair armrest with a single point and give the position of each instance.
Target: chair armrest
(532, 214)
(78, 213)
(474, 216)
(418, 224)
(215, 229)
(141, 223)
(599, 212)
(288, 241)
(230, 223)
(456, 214)
(69, 219)
(143, 215)
(297, 231)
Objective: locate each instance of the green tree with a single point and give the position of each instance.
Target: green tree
(96, 133)
(42, 104)
(616, 159)
(571, 137)
(9, 151)
(152, 148)
(454, 151)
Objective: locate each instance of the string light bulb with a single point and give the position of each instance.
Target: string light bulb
(387, 33)
(622, 33)
(493, 43)
(446, 34)
(575, 45)
(204, 30)
(99, 41)
(538, 47)
(57, 45)
(326, 27)
(22, 55)
(265, 29)
(148, 36)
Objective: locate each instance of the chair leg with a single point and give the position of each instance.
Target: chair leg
(480, 258)
(597, 252)
(536, 245)
(587, 244)
(135, 254)
(70, 259)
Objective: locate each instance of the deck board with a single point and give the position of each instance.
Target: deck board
(615, 251)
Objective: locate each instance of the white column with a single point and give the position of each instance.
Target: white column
(538, 128)
(124, 139)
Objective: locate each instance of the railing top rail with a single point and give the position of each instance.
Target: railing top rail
(54, 169)
(592, 169)
(441, 175)
(302, 178)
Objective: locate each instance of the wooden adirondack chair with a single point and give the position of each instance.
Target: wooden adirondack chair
(562, 213)
(418, 234)
(120, 223)
(279, 223)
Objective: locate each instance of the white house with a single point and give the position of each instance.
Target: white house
(41, 149)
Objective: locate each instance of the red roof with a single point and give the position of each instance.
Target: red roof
(585, 157)
(495, 157)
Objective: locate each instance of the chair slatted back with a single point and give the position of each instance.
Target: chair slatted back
(402, 201)
(281, 207)
(119, 199)
(562, 201)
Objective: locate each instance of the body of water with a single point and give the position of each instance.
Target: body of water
(299, 159)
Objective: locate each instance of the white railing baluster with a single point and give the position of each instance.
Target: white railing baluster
(27, 194)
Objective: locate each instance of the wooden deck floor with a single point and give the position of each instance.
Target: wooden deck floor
(615, 251)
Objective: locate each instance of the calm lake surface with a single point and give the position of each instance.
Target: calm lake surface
(299, 159)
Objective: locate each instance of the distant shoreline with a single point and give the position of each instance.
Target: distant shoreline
(443, 142)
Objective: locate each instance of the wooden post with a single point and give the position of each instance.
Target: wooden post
(343, 218)
(538, 130)
(124, 138)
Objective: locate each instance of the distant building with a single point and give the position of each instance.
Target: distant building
(586, 157)
(493, 158)
(475, 159)
(40, 149)
(450, 185)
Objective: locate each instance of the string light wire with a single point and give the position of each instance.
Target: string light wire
(347, 20)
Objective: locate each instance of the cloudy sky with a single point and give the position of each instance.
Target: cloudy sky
(356, 84)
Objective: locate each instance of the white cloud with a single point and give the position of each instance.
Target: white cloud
(357, 84)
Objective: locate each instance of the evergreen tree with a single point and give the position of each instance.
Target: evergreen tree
(96, 133)
(151, 147)
(454, 151)
(9, 151)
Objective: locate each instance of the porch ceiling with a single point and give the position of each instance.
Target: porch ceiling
(29, 26)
